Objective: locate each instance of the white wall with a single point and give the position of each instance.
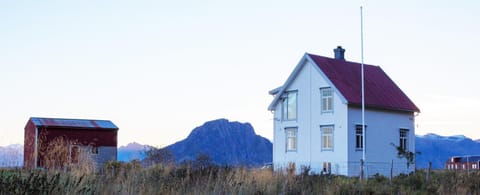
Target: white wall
(382, 129)
(309, 119)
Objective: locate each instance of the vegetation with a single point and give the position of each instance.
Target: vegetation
(132, 178)
(158, 174)
(408, 155)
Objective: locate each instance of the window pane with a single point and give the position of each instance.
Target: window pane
(327, 137)
(291, 139)
(292, 106)
(324, 102)
(403, 139)
(327, 99)
(289, 106)
(359, 137)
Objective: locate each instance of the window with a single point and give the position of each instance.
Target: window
(403, 139)
(94, 150)
(327, 137)
(358, 137)
(291, 142)
(327, 99)
(327, 168)
(474, 166)
(74, 154)
(290, 106)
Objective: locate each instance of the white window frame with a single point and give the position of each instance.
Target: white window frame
(327, 139)
(285, 105)
(359, 137)
(403, 139)
(291, 133)
(326, 101)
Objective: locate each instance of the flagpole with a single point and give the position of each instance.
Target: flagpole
(363, 96)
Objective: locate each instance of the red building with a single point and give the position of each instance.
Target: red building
(57, 142)
(463, 163)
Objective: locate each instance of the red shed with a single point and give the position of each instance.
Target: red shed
(64, 139)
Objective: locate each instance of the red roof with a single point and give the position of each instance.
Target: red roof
(380, 91)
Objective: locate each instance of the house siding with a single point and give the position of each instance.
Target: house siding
(309, 119)
(383, 129)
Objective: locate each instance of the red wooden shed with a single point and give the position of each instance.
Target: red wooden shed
(64, 139)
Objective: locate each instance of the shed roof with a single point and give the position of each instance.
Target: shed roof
(75, 123)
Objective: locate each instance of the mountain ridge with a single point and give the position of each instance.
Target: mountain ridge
(227, 143)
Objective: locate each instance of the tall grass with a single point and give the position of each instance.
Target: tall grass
(132, 178)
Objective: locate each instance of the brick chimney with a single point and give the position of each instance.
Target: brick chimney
(339, 53)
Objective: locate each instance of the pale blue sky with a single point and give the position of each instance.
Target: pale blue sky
(158, 69)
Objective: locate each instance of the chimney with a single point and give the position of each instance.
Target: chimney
(339, 53)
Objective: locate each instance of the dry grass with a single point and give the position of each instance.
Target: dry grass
(131, 178)
(56, 155)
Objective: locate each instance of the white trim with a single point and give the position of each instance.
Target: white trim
(295, 131)
(305, 59)
(331, 98)
(287, 83)
(35, 152)
(332, 136)
(275, 91)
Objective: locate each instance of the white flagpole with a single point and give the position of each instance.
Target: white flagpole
(363, 97)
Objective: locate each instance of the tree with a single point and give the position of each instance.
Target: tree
(155, 156)
(408, 155)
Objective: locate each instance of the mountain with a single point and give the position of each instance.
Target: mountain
(11, 155)
(131, 152)
(226, 143)
(437, 149)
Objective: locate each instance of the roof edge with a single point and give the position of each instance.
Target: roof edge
(292, 76)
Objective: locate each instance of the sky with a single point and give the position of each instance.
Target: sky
(158, 69)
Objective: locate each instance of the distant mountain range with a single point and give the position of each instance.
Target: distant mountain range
(432, 147)
(11, 155)
(437, 149)
(131, 151)
(234, 143)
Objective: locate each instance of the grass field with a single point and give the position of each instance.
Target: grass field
(131, 178)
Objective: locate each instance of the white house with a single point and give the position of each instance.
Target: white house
(317, 119)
